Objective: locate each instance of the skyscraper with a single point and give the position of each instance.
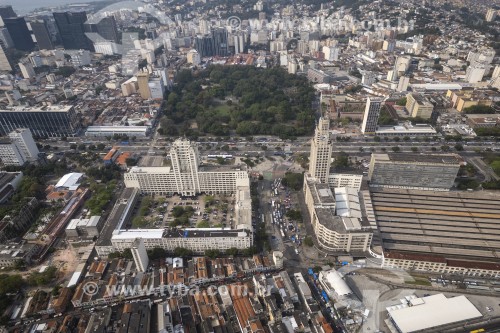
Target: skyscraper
(42, 35)
(142, 82)
(140, 255)
(185, 159)
(106, 28)
(370, 118)
(214, 44)
(7, 11)
(19, 32)
(5, 39)
(24, 139)
(203, 44)
(321, 151)
(219, 40)
(72, 31)
(4, 62)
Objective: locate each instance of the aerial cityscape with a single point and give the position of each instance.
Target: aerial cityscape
(253, 166)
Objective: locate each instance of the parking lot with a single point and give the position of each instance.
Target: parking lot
(203, 211)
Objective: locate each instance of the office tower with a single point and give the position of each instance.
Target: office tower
(42, 35)
(7, 11)
(331, 53)
(372, 112)
(368, 78)
(203, 44)
(321, 151)
(214, 44)
(72, 31)
(106, 28)
(185, 159)
(5, 39)
(392, 75)
(51, 121)
(24, 140)
(156, 88)
(491, 15)
(219, 38)
(140, 255)
(142, 82)
(239, 40)
(4, 62)
(193, 57)
(424, 172)
(419, 106)
(10, 153)
(475, 73)
(403, 83)
(184, 177)
(27, 70)
(19, 33)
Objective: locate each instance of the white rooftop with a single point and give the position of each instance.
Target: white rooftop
(138, 233)
(434, 311)
(70, 181)
(336, 282)
(347, 202)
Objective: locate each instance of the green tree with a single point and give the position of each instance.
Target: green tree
(293, 180)
(459, 147)
(396, 149)
(212, 253)
(308, 241)
(182, 252)
(157, 253)
(232, 251)
(294, 215)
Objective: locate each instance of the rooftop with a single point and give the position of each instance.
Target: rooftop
(439, 226)
(418, 158)
(433, 311)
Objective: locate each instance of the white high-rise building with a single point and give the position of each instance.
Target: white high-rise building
(392, 75)
(404, 81)
(193, 57)
(368, 78)
(18, 148)
(4, 62)
(24, 139)
(496, 72)
(156, 88)
(27, 70)
(331, 53)
(491, 15)
(321, 151)
(184, 176)
(10, 153)
(475, 74)
(370, 118)
(140, 255)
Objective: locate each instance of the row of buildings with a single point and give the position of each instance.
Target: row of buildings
(408, 207)
(185, 177)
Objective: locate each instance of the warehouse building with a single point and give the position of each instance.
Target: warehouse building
(442, 232)
(434, 312)
(413, 171)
